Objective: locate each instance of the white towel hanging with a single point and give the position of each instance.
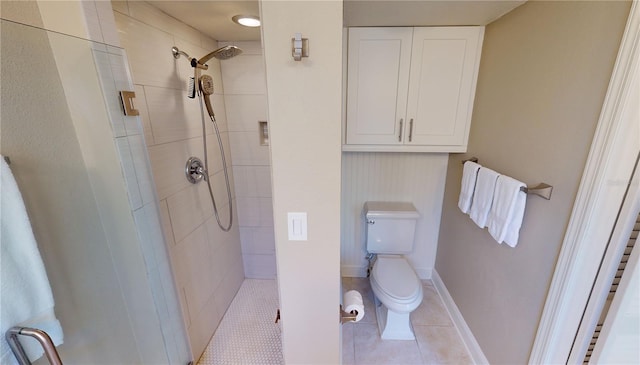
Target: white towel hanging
(468, 185)
(25, 294)
(507, 211)
(483, 196)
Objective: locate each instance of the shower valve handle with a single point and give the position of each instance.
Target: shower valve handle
(195, 170)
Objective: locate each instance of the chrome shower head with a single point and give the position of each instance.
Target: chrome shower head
(223, 53)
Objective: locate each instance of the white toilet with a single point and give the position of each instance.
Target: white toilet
(390, 228)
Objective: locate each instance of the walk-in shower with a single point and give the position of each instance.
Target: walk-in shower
(195, 170)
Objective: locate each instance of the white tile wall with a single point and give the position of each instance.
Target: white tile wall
(229, 285)
(246, 149)
(257, 240)
(143, 218)
(192, 258)
(152, 16)
(142, 169)
(219, 108)
(91, 20)
(188, 209)
(245, 111)
(215, 155)
(168, 161)
(124, 150)
(246, 105)
(207, 262)
(244, 74)
(172, 115)
(253, 181)
(129, 141)
(149, 51)
(107, 23)
(140, 103)
(114, 109)
(255, 212)
(259, 266)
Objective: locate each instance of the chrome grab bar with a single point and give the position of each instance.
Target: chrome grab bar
(41, 336)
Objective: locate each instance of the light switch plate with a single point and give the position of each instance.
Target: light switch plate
(297, 224)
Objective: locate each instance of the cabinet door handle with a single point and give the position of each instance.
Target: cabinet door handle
(410, 129)
(400, 134)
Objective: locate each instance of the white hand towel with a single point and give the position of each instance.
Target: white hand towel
(25, 295)
(468, 185)
(483, 196)
(507, 211)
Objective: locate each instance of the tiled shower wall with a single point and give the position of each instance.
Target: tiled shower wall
(246, 104)
(207, 262)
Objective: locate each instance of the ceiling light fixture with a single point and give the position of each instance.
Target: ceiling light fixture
(247, 20)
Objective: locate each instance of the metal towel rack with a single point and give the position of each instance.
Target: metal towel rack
(40, 335)
(542, 190)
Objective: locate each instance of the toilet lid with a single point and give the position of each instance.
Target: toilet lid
(396, 277)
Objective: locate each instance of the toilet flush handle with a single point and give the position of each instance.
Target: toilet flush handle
(371, 221)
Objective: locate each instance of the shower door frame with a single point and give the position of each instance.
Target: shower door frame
(595, 209)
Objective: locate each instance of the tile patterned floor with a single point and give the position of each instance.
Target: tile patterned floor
(437, 340)
(247, 334)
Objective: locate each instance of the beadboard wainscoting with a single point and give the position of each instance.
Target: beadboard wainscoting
(413, 177)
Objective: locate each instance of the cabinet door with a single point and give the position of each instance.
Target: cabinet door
(378, 64)
(444, 70)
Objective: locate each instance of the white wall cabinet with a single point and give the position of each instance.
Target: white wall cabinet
(411, 89)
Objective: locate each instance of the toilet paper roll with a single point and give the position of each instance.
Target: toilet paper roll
(352, 301)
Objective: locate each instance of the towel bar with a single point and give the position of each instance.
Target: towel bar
(542, 190)
(40, 335)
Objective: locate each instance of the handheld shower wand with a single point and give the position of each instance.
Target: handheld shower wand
(205, 90)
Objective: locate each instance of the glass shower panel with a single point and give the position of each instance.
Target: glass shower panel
(84, 175)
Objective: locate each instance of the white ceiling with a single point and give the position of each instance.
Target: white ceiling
(368, 13)
(214, 17)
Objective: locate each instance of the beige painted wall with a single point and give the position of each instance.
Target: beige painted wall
(543, 76)
(206, 261)
(305, 121)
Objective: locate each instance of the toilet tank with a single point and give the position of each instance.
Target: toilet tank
(390, 227)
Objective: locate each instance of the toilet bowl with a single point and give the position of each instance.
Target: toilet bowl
(390, 230)
(398, 292)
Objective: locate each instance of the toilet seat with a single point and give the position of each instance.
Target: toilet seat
(396, 284)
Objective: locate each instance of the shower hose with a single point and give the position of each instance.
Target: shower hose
(224, 168)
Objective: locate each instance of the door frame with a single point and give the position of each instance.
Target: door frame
(600, 195)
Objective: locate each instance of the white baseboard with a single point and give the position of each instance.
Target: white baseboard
(458, 320)
(424, 274)
(352, 271)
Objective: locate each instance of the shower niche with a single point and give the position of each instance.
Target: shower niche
(263, 133)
